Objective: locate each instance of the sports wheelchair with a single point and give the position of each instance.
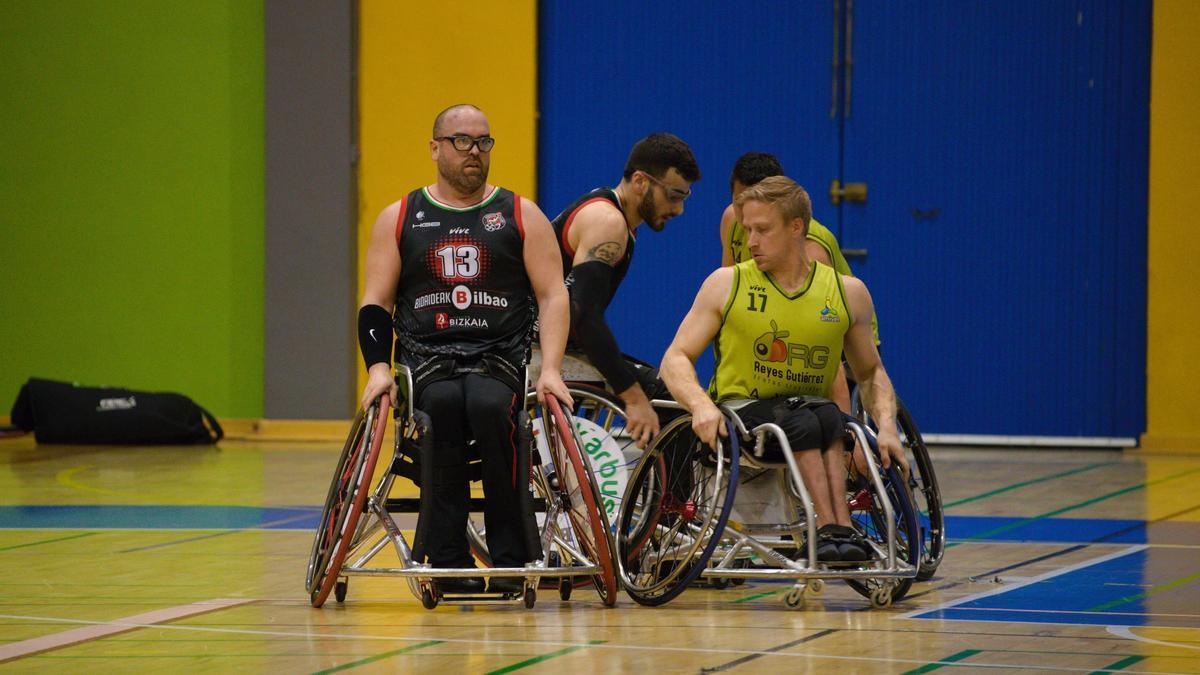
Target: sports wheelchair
(680, 521)
(574, 532)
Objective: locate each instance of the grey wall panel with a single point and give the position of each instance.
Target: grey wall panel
(310, 203)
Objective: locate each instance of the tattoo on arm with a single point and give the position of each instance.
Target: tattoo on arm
(608, 253)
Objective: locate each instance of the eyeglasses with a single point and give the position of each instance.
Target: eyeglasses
(674, 194)
(464, 143)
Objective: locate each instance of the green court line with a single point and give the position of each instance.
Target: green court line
(48, 541)
(1148, 592)
(543, 657)
(953, 658)
(1014, 486)
(1087, 502)
(1119, 665)
(379, 657)
(756, 596)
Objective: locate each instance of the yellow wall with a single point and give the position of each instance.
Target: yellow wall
(1173, 332)
(417, 58)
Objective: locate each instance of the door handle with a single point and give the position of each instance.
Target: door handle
(851, 192)
(854, 253)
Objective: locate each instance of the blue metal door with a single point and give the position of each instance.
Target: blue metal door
(1004, 147)
(725, 77)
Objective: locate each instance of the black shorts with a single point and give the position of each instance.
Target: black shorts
(807, 421)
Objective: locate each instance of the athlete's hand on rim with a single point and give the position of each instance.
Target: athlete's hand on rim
(708, 422)
(890, 448)
(551, 382)
(641, 422)
(379, 380)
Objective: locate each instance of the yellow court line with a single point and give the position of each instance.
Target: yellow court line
(66, 478)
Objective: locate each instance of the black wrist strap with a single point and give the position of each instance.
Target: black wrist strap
(375, 335)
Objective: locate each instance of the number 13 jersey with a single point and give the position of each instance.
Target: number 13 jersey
(463, 289)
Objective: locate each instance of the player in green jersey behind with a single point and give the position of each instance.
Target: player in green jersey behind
(781, 322)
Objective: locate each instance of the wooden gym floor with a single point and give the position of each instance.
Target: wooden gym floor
(193, 559)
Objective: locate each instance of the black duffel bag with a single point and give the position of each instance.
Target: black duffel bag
(61, 412)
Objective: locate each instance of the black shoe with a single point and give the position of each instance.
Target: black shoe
(506, 584)
(850, 544)
(470, 585)
(827, 545)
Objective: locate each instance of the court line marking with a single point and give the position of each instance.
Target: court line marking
(378, 657)
(543, 657)
(607, 645)
(1031, 580)
(1032, 481)
(787, 645)
(953, 658)
(1127, 633)
(1119, 665)
(1144, 594)
(66, 478)
(266, 525)
(99, 629)
(48, 541)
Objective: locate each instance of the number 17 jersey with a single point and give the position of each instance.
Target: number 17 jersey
(773, 343)
(463, 288)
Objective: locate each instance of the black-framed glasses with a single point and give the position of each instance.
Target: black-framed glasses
(464, 143)
(673, 193)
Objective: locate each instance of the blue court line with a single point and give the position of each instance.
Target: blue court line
(1093, 593)
(964, 529)
(158, 517)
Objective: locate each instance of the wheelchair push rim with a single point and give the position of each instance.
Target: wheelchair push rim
(652, 482)
(346, 500)
(586, 510)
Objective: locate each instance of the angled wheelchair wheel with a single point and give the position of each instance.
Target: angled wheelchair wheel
(674, 512)
(927, 497)
(870, 519)
(345, 501)
(923, 486)
(581, 497)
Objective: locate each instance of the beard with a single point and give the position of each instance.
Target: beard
(465, 183)
(645, 211)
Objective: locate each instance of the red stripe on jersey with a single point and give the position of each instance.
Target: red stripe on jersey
(517, 214)
(400, 220)
(571, 218)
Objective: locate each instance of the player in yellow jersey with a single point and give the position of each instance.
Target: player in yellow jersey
(819, 243)
(781, 323)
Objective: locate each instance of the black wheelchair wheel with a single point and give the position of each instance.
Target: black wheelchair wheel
(922, 483)
(674, 512)
(870, 519)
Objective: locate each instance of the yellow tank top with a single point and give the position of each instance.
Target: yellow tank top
(818, 233)
(773, 343)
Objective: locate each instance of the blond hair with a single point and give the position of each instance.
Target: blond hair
(784, 194)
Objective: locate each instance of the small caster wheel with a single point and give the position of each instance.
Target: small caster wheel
(428, 599)
(564, 589)
(530, 597)
(339, 591)
(794, 598)
(881, 598)
(816, 586)
(720, 584)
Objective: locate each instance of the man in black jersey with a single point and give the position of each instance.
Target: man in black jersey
(455, 268)
(596, 235)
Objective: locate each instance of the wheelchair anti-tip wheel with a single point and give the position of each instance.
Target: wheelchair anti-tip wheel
(345, 501)
(674, 511)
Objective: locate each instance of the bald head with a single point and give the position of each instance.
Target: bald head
(448, 116)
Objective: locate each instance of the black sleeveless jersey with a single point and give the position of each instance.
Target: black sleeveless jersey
(463, 289)
(562, 224)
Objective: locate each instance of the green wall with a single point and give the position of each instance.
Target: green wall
(131, 197)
